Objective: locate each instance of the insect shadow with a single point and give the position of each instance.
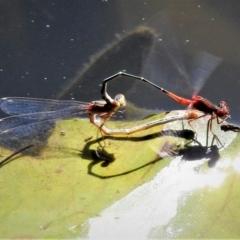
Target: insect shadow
(12, 157)
(188, 153)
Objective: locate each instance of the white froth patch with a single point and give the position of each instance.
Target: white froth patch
(155, 203)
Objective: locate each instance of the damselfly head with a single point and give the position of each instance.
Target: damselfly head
(120, 98)
(223, 109)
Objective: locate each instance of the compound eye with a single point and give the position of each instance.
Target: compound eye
(224, 109)
(223, 104)
(121, 99)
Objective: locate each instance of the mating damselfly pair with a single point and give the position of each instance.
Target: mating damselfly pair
(30, 115)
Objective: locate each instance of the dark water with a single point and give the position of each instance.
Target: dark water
(45, 44)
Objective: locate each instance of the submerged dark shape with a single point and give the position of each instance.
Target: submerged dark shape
(125, 53)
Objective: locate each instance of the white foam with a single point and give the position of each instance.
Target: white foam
(153, 204)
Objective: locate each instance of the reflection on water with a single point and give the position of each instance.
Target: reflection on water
(123, 54)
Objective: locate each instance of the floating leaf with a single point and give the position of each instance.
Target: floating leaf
(68, 188)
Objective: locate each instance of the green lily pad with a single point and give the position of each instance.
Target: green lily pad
(71, 188)
(54, 191)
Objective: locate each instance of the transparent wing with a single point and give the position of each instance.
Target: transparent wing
(30, 126)
(18, 105)
(164, 64)
(203, 65)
